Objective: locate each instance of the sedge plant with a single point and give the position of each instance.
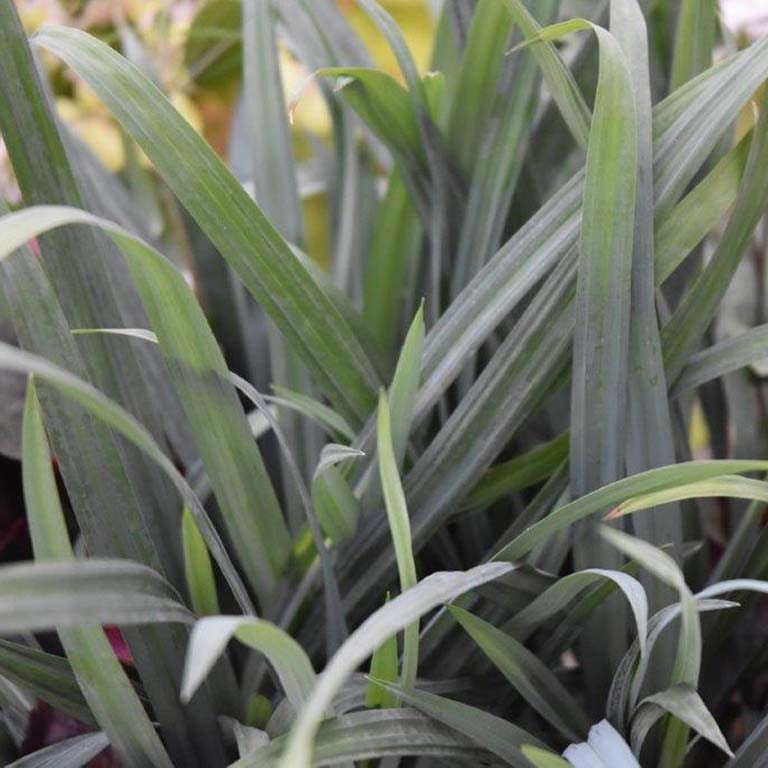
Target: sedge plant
(441, 497)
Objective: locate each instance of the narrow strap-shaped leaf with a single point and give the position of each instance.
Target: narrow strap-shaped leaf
(405, 384)
(394, 616)
(488, 731)
(687, 663)
(43, 596)
(376, 734)
(519, 473)
(602, 312)
(200, 375)
(685, 704)
(110, 414)
(395, 248)
(474, 86)
(610, 495)
(527, 674)
(649, 439)
(740, 351)
(564, 591)
(728, 486)
(694, 216)
(211, 635)
(222, 208)
(400, 527)
(70, 753)
(201, 583)
(272, 162)
(383, 670)
(559, 80)
(109, 693)
(694, 40)
(47, 677)
(698, 307)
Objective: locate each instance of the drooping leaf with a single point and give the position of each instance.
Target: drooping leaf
(211, 635)
(69, 753)
(370, 735)
(614, 493)
(393, 617)
(115, 417)
(685, 704)
(488, 731)
(564, 591)
(43, 596)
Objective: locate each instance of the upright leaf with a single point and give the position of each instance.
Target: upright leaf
(200, 375)
(694, 40)
(222, 208)
(201, 583)
(405, 384)
(108, 691)
(400, 527)
(119, 482)
(603, 298)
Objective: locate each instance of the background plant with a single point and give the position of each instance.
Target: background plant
(353, 422)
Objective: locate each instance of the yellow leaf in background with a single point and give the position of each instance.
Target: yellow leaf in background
(35, 13)
(104, 139)
(87, 99)
(317, 228)
(412, 16)
(699, 436)
(188, 110)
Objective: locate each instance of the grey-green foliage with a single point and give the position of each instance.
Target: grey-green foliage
(529, 347)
